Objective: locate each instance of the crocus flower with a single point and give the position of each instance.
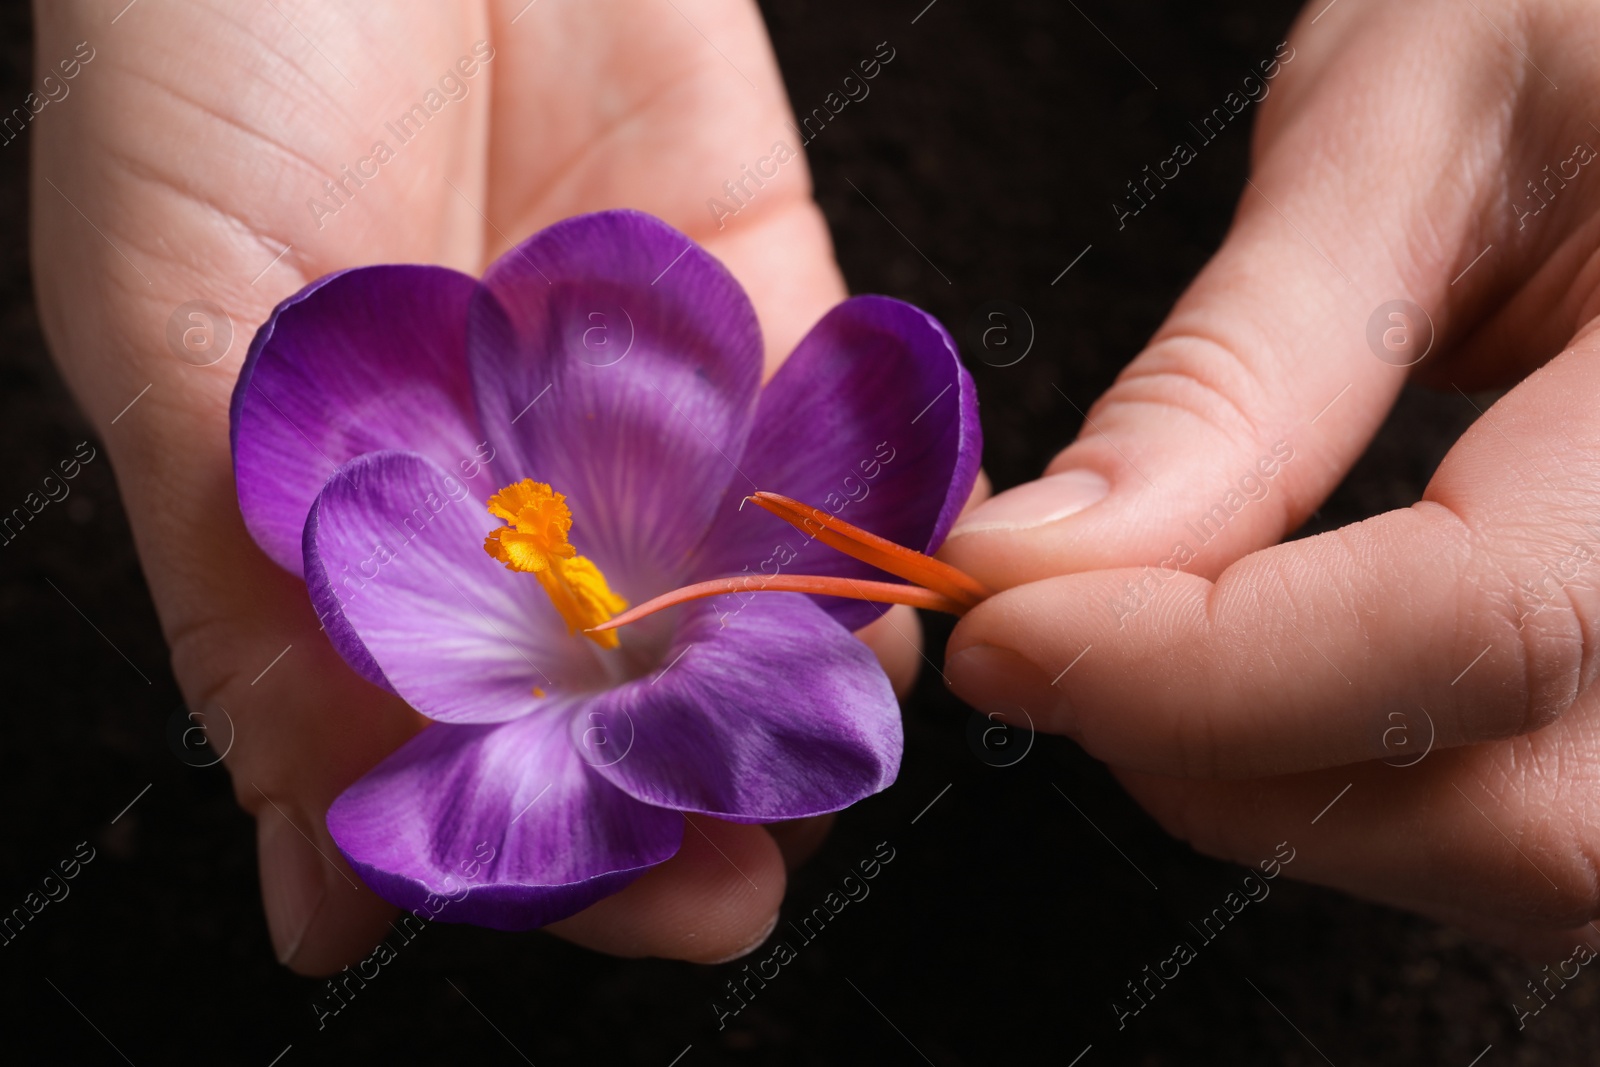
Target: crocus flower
(471, 476)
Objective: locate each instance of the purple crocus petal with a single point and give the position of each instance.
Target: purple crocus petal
(395, 563)
(619, 362)
(366, 359)
(505, 826)
(766, 710)
(874, 419)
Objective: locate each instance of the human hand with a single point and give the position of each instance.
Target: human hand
(188, 163)
(1395, 158)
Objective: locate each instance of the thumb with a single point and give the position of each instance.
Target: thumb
(1243, 412)
(1277, 365)
(294, 724)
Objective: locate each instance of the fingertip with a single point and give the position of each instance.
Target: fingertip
(1033, 504)
(716, 900)
(1008, 686)
(1028, 531)
(799, 839)
(1039, 620)
(982, 489)
(1534, 944)
(895, 637)
(319, 914)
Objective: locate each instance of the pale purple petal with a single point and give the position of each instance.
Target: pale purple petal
(367, 359)
(762, 710)
(873, 419)
(505, 826)
(395, 564)
(619, 362)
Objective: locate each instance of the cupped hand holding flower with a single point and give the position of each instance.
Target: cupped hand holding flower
(192, 146)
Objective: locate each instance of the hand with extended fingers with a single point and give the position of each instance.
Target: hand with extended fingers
(1413, 162)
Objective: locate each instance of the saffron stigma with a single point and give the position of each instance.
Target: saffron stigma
(936, 585)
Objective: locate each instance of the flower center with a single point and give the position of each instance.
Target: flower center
(536, 542)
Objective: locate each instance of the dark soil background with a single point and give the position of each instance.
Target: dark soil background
(1006, 924)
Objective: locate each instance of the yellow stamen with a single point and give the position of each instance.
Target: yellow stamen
(536, 543)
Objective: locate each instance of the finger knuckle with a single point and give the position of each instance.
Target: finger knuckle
(1554, 651)
(1511, 839)
(1554, 875)
(1554, 643)
(1207, 379)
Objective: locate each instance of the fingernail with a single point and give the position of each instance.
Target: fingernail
(766, 932)
(1036, 503)
(998, 681)
(293, 883)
